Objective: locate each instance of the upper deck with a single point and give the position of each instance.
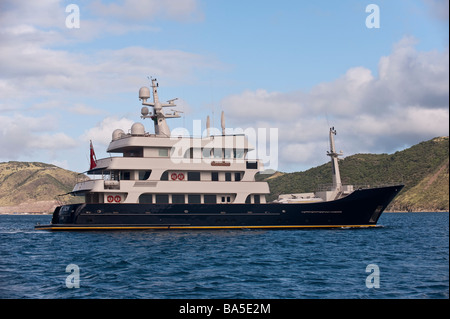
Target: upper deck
(145, 142)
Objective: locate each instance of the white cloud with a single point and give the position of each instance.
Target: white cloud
(43, 13)
(132, 10)
(405, 104)
(263, 105)
(43, 68)
(25, 136)
(102, 132)
(438, 9)
(83, 109)
(32, 34)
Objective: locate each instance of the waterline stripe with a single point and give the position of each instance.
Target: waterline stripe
(196, 227)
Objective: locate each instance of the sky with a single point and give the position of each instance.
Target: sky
(288, 69)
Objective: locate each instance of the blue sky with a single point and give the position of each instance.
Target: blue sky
(298, 66)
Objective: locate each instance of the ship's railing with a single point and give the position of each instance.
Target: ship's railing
(105, 175)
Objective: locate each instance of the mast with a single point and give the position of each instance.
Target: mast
(158, 116)
(334, 161)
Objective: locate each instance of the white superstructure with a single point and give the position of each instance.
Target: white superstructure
(158, 168)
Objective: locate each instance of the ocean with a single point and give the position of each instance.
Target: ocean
(406, 257)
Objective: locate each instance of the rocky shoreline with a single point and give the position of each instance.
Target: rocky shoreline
(40, 207)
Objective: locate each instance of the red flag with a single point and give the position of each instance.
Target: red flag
(93, 158)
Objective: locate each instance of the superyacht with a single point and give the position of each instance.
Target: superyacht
(163, 182)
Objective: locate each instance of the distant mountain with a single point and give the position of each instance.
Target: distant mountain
(422, 168)
(34, 186)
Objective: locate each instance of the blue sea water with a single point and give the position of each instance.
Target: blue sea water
(410, 253)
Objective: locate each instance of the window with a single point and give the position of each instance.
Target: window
(165, 176)
(237, 177)
(145, 199)
(256, 199)
(214, 176)
(163, 152)
(194, 199)
(135, 152)
(248, 199)
(193, 176)
(206, 152)
(144, 175)
(178, 198)
(252, 165)
(238, 153)
(228, 153)
(162, 198)
(217, 153)
(210, 199)
(227, 176)
(226, 199)
(125, 176)
(189, 153)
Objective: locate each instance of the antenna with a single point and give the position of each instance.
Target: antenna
(158, 116)
(222, 122)
(208, 125)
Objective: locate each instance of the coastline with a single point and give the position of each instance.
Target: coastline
(28, 208)
(418, 211)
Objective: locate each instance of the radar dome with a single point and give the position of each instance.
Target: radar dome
(144, 93)
(118, 133)
(144, 111)
(137, 129)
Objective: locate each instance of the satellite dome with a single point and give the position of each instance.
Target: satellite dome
(144, 111)
(117, 134)
(137, 129)
(144, 93)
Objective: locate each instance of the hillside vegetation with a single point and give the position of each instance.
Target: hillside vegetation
(28, 183)
(423, 169)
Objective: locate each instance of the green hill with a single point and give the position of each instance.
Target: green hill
(423, 169)
(28, 183)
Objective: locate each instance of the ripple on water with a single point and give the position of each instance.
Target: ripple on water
(411, 251)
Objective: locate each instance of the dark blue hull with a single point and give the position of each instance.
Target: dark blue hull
(362, 208)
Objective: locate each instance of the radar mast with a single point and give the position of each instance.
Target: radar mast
(158, 116)
(334, 161)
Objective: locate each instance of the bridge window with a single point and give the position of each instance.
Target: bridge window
(144, 175)
(193, 176)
